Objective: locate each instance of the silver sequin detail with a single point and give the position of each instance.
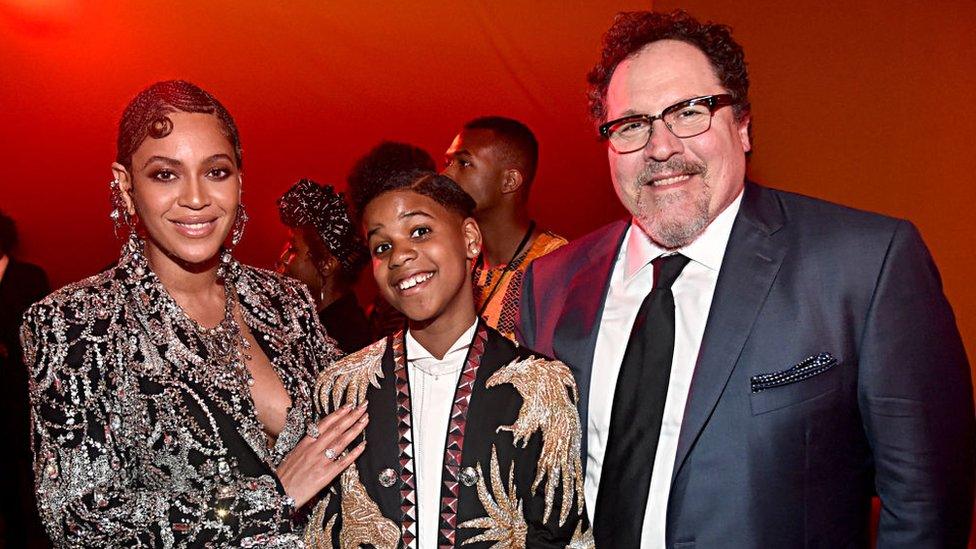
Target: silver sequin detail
(468, 476)
(387, 478)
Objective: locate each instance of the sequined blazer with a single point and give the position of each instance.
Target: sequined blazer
(142, 440)
(511, 474)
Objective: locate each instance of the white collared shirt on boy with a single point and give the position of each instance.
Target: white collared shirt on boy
(432, 385)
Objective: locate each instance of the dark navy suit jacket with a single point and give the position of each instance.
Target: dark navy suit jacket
(796, 465)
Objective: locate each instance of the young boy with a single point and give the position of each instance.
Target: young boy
(471, 440)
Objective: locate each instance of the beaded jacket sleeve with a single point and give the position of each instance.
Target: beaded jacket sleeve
(144, 432)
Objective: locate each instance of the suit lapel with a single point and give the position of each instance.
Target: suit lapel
(752, 259)
(574, 337)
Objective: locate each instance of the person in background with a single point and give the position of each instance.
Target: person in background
(21, 284)
(382, 162)
(494, 159)
(325, 252)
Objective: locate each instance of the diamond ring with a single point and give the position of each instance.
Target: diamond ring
(331, 454)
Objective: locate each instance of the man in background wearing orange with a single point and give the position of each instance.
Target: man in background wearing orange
(494, 160)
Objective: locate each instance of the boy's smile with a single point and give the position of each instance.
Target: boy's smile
(422, 253)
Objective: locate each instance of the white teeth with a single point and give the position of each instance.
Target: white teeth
(193, 225)
(671, 180)
(408, 283)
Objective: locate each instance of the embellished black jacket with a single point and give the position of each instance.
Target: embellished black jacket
(143, 435)
(511, 474)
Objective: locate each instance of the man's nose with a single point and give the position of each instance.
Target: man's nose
(662, 144)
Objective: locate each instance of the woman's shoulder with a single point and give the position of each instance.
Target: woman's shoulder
(263, 288)
(62, 327)
(270, 282)
(99, 295)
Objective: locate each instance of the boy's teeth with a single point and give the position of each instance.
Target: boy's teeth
(414, 280)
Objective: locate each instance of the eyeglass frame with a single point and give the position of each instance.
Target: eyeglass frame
(714, 102)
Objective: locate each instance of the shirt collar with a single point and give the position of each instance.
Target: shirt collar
(708, 249)
(416, 351)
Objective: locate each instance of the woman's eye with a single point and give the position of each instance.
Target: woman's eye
(218, 173)
(419, 232)
(163, 175)
(380, 248)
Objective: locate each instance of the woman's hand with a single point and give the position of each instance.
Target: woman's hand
(317, 460)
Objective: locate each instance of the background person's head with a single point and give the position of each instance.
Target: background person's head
(673, 186)
(178, 168)
(423, 241)
(494, 159)
(385, 160)
(324, 247)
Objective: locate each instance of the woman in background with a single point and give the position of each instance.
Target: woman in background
(325, 252)
(172, 394)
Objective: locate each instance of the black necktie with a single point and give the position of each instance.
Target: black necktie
(635, 420)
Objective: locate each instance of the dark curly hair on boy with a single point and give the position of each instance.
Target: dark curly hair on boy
(439, 188)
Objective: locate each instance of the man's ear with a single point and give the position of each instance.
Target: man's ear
(743, 130)
(125, 185)
(472, 238)
(513, 181)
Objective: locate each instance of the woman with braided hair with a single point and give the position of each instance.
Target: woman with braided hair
(172, 394)
(325, 251)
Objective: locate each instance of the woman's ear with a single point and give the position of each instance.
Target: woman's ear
(472, 238)
(125, 186)
(329, 267)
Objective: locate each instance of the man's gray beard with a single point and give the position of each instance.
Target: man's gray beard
(673, 233)
(676, 233)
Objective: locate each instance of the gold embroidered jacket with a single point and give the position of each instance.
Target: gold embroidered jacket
(142, 440)
(511, 475)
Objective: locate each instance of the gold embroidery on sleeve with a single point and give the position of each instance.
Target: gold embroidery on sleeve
(504, 524)
(316, 535)
(351, 377)
(362, 521)
(581, 539)
(547, 406)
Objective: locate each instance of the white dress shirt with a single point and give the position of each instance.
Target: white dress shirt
(631, 281)
(432, 385)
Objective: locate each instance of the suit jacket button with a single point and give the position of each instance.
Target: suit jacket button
(387, 477)
(468, 476)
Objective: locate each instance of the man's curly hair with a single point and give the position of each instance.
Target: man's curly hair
(632, 31)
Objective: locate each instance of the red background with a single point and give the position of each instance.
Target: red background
(866, 103)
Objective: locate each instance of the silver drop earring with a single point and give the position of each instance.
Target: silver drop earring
(240, 221)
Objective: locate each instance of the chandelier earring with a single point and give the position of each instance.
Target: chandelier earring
(227, 269)
(120, 213)
(240, 221)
